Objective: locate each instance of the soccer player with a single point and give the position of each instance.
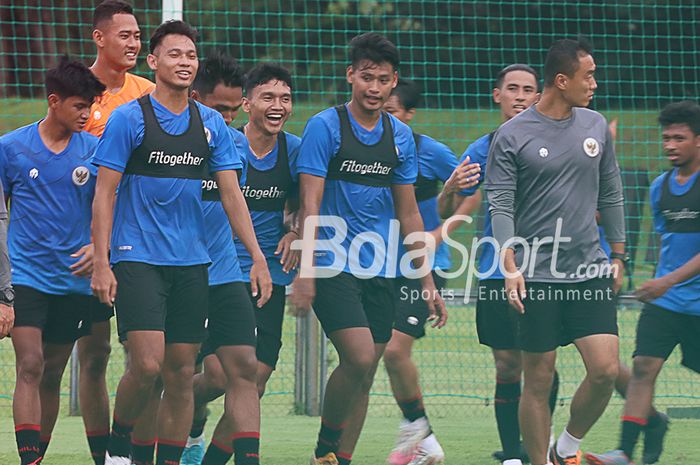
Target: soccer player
(156, 151)
(515, 90)
(357, 167)
(548, 170)
(671, 314)
(45, 168)
(117, 38)
(436, 162)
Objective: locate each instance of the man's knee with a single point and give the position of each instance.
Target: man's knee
(645, 369)
(395, 356)
(604, 375)
(94, 357)
(359, 364)
(30, 369)
(508, 368)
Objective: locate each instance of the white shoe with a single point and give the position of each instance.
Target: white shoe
(411, 433)
(513, 462)
(429, 452)
(116, 460)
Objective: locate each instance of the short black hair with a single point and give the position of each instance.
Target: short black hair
(683, 112)
(105, 10)
(563, 57)
(408, 92)
(218, 68)
(374, 47)
(266, 72)
(515, 67)
(174, 26)
(72, 79)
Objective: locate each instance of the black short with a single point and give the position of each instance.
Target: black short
(496, 320)
(269, 320)
(345, 301)
(62, 319)
(659, 331)
(411, 310)
(172, 299)
(559, 313)
(101, 313)
(231, 321)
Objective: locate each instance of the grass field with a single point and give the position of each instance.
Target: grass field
(289, 440)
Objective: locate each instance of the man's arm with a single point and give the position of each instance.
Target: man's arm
(310, 195)
(7, 312)
(104, 284)
(655, 288)
(466, 175)
(289, 258)
(239, 217)
(406, 210)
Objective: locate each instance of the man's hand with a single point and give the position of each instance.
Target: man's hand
(104, 284)
(7, 319)
(83, 267)
(653, 289)
(260, 281)
(289, 258)
(516, 292)
(466, 175)
(302, 296)
(436, 305)
(618, 275)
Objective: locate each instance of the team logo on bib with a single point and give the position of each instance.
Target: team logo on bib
(97, 115)
(591, 147)
(33, 173)
(80, 176)
(544, 152)
(207, 133)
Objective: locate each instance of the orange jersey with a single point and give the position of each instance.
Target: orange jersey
(133, 88)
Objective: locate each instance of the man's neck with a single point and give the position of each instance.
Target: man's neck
(54, 136)
(174, 99)
(366, 119)
(688, 170)
(261, 143)
(553, 105)
(112, 78)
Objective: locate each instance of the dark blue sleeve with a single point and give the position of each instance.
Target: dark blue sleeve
(4, 172)
(316, 149)
(224, 155)
(117, 142)
(293, 144)
(654, 198)
(477, 152)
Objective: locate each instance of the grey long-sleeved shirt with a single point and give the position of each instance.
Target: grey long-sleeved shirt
(5, 273)
(548, 177)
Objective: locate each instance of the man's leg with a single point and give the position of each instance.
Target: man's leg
(241, 419)
(177, 403)
(93, 354)
(143, 437)
(26, 402)
(55, 359)
(346, 387)
(146, 357)
(600, 356)
(264, 374)
(507, 400)
(534, 412)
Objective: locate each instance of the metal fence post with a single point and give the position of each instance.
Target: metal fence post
(172, 9)
(74, 408)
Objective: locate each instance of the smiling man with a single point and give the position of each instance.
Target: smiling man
(163, 286)
(358, 163)
(548, 170)
(45, 168)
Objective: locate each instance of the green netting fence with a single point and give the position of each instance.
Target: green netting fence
(646, 54)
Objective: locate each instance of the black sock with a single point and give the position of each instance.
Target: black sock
(27, 437)
(412, 409)
(44, 445)
(344, 459)
(169, 452)
(217, 454)
(554, 393)
(198, 427)
(631, 427)
(328, 438)
(246, 448)
(142, 452)
(506, 403)
(98, 441)
(120, 440)
(653, 420)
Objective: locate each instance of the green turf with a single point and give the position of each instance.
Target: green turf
(288, 440)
